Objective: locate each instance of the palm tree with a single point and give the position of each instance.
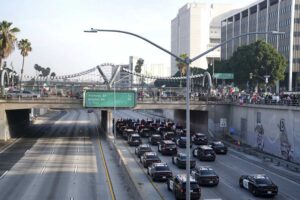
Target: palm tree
(182, 66)
(7, 39)
(25, 46)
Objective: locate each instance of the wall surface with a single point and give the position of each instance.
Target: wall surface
(275, 130)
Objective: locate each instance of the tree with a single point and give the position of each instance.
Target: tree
(25, 46)
(181, 66)
(138, 66)
(52, 75)
(260, 59)
(7, 39)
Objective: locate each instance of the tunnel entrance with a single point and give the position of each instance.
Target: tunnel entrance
(18, 122)
(198, 119)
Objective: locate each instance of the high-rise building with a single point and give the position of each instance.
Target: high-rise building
(264, 16)
(193, 31)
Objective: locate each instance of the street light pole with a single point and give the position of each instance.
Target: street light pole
(187, 61)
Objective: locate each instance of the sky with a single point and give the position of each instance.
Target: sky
(55, 30)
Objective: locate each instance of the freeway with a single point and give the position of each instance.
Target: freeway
(229, 168)
(64, 156)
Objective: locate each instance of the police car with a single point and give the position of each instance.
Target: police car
(258, 184)
(177, 185)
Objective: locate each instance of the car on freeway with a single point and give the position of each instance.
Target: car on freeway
(127, 132)
(167, 147)
(181, 142)
(219, 147)
(154, 139)
(134, 139)
(258, 184)
(200, 139)
(205, 175)
(145, 132)
(177, 185)
(141, 149)
(169, 135)
(159, 172)
(149, 158)
(180, 161)
(205, 153)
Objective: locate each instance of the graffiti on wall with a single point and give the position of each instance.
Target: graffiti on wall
(285, 146)
(259, 130)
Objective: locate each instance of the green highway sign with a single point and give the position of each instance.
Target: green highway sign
(109, 99)
(223, 75)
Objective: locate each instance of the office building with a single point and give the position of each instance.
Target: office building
(264, 16)
(195, 29)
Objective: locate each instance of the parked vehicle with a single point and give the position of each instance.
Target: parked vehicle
(170, 135)
(167, 147)
(127, 132)
(177, 185)
(141, 149)
(134, 140)
(148, 158)
(205, 176)
(154, 139)
(204, 152)
(181, 142)
(199, 139)
(145, 132)
(159, 172)
(180, 161)
(258, 184)
(219, 147)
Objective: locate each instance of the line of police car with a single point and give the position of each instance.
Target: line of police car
(168, 136)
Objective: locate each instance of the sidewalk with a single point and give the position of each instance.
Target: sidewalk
(143, 186)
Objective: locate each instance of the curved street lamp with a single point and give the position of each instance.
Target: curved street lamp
(187, 61)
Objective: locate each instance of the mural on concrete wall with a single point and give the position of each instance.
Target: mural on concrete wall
(259, 130)
(285, 146)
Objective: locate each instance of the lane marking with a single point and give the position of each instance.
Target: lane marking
(3, 174)
(9, 145)
(106, 169)
(43, 170)
(75, 169)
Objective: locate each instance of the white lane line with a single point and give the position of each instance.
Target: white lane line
(71, 198)
(78, 150)
(3, 174)
(9, 145)
(75, 169)
(43, 170)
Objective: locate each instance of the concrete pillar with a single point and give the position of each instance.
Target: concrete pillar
(4, 128)
(109, 122)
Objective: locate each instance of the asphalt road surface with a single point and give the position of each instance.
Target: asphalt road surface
(62, 158)
(229, 168)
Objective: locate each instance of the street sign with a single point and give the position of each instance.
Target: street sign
(106, 99)
(223, 75)
(223, 122)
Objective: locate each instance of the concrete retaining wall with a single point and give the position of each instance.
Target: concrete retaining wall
(275, 130)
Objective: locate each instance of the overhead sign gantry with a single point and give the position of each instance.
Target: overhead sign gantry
(109, 99)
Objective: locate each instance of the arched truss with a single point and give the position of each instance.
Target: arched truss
(7, 77)
(203, 76)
